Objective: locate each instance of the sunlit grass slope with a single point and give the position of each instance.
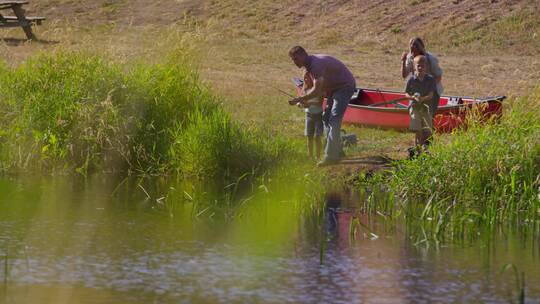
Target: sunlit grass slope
(73, 111)
(486, 175)
(452, 26)
(518, 30)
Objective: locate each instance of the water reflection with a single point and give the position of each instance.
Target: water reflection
(92, 241)
(362, 265)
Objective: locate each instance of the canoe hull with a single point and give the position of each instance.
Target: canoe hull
(451, 114)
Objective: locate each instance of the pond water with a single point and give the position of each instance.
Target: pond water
(108, 241)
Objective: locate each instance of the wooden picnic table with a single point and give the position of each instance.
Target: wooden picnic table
(20, 18)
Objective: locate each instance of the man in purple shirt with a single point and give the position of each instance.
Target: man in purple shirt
(333, 80)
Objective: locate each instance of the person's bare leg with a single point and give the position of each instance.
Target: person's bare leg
(310, 146)
(318, 146)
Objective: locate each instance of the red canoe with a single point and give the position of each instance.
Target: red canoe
(384, 109)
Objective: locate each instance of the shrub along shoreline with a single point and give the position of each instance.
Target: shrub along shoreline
(78, 112)
(482, 177)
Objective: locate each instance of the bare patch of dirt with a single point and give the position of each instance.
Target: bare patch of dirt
(350, 168)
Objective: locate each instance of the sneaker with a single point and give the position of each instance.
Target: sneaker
(327, 162)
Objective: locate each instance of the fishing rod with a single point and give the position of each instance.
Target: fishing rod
(283, 92)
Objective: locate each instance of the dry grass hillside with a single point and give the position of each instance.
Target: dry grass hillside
(485, 47)
(464, 24)
(460, 23)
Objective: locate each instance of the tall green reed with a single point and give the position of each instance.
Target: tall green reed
(473, 182)
(484, 176)
(6, 265)
(520, 281)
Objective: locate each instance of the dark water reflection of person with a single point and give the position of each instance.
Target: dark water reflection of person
(333, 203)
(347, 259)
(334, 274)
(338, 217)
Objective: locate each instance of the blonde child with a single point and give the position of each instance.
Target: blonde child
(421, 90)
(314, 124)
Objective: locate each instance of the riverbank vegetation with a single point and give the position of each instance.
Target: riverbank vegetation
(482, 177)
(81, 112)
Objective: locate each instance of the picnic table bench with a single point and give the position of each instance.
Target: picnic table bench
(20, 18)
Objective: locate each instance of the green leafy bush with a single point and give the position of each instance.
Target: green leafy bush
(81, 112)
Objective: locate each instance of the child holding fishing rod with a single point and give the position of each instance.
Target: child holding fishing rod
(421, 90)
(314, 119)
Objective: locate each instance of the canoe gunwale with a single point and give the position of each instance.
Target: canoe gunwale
(440, 109)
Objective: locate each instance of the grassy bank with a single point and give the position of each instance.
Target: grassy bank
(243, 52)
(482, 177)
(73, 111)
